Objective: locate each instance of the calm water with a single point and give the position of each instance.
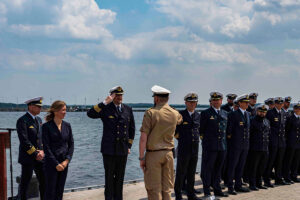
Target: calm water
(86, 167)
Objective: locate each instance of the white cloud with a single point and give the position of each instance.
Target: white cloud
(235, 19)
(79, 19)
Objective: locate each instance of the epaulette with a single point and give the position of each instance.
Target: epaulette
(174, 108)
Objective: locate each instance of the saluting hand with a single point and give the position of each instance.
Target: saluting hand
(110, 98)
(60, 168)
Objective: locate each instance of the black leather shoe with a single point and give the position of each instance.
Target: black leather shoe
(232, 192)
(220, 194)
(281, 182)
(197, 191)
(296, 180)
(242, 189)
(269, 185)
(253, 188)
(262, 187)
(289, 181)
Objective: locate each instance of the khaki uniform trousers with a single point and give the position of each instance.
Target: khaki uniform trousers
(159, 175)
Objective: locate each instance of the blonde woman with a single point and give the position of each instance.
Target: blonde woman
(58, 147)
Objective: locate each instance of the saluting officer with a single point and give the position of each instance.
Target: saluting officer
(213, 123)
(238, 128)
(228, 107)
(118, 135)
(277, 143)
(292, 154)
(258, 152)
(187, 134)
(253, 99)
(270, 102)
(286, 105)
(31, 152)
(157, 139)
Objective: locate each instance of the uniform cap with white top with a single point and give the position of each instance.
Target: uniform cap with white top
(37, 101)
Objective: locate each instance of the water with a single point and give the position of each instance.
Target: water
(86, 167)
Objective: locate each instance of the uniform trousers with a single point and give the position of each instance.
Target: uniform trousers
(26, 175)
(185, 170)
(211, 167)
(55, 182)
(291, 163)
(236, 162)
(276, 156)
(114, 167)
(159, 175)
(257, 164)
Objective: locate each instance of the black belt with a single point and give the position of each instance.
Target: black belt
(158, 150)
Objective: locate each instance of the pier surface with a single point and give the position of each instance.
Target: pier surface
(136, 191)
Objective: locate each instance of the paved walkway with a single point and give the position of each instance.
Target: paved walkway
(137, 191)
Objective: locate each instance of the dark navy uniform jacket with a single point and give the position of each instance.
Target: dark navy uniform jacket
(58, 145)
(118, 127)
(293, 132)
(213, 129)
(259, 134)
(187, 133)
(238, 130)
(30, 138)
(277, 122)
(251, 110)
(227, 107)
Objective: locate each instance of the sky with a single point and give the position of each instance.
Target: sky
(77, 50)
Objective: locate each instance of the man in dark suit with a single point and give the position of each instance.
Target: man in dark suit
(117, 139)
(238, 128)
(286, 106)
(292, 154)
(213, 122)
(252, 102)
(277, 143)
(258, 151)
(270, 102)
(31, 152)
(228, 107)
(188, 135)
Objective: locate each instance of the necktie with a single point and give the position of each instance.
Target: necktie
(36, 122)
(119, 108)
(218, 112)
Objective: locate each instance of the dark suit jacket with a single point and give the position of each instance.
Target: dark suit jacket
(259, 134)
(118, 128)
(213, 129)
(58, 146)
(278, 122)
(238, 129)
(187, 133)
(293, 132)
(226, 107)
(30, 138)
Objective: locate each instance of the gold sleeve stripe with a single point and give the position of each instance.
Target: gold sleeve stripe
(97, 109)
(176, 135)
(130, 141)
(31, 150)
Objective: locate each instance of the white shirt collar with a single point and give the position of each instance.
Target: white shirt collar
(277, 110)
(33, 117)
(297, 116)
(243, 111)
(285, 110)
(191, 113)
(216, 109)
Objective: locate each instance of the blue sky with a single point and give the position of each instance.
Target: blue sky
(79, 49)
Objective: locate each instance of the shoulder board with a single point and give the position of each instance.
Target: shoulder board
(149, 108)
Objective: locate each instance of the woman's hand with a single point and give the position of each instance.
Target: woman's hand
(60, 168)
(65, 163)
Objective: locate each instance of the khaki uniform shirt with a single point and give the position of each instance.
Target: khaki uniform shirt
(159, 124)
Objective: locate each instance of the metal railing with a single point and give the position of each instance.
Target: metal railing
(10, 158)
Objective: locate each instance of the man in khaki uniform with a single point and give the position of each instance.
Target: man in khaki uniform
(157, 139)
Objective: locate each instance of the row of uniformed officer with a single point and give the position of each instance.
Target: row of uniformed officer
(118, 134)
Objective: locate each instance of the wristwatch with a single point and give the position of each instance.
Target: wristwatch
(142, 158)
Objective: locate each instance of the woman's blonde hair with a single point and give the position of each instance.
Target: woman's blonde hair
(56, 106)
